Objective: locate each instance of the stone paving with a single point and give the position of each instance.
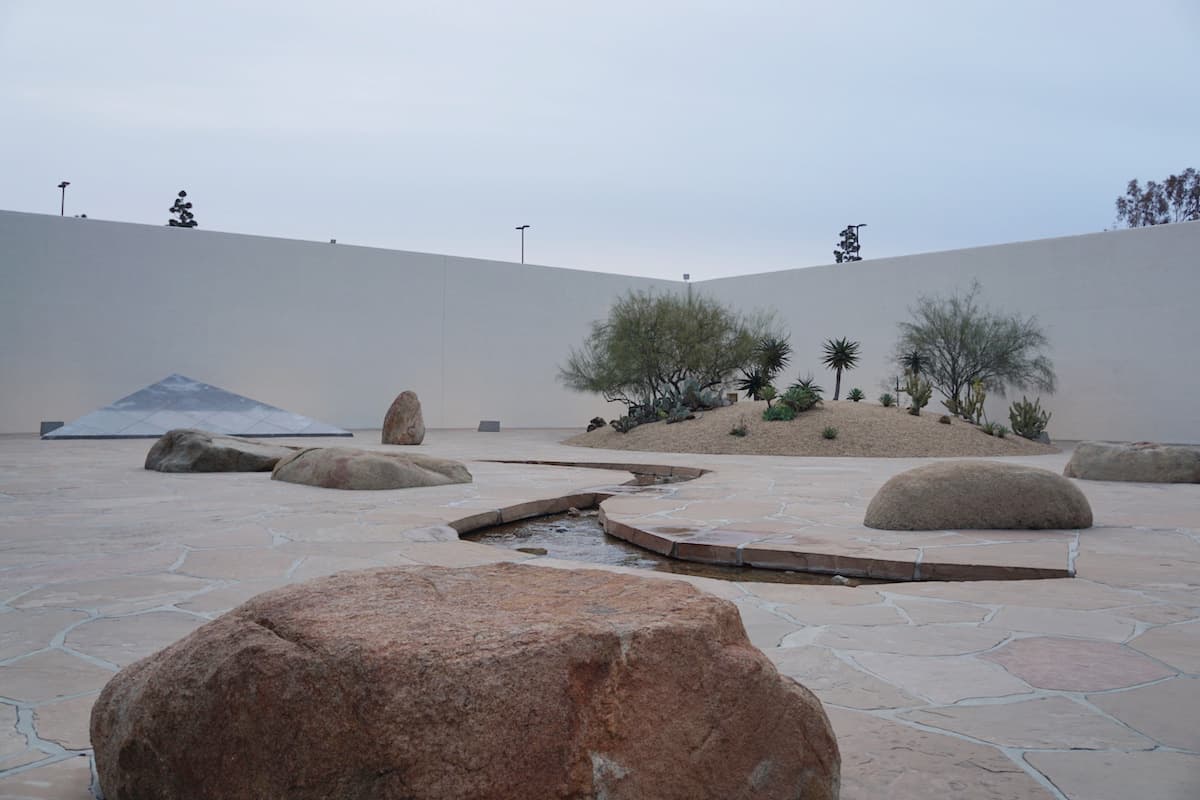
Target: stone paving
(1083, 688)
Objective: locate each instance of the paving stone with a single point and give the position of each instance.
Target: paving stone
(1074, 593)
(457, 554)
(316, 566)
(50, 675)
(65, 722)
(923, 640)
(1160, 614)
(941, 679)
(245, 536)
(1062, 622)
(123, 640)
(1113, 775)
(813, 593)
(1177, 645)
(236, 564)
(829, 614)
(69, 779)
(925, 612)
(885, 759)
(764, 628)
(25, 631)
(1043, 723)
(834, 681)
(12, 743)
(1167, 712)
(115, 595)
(1076, 665)
(221, 600)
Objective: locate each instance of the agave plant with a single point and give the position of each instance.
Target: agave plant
(808, 384)
(840, 354)
(855, 394)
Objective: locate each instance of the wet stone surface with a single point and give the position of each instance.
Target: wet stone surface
(581, 538)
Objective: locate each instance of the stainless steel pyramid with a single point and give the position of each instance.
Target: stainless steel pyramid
(180, 402)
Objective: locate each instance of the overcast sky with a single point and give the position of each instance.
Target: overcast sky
(648, 138)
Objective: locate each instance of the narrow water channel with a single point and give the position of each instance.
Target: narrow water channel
(581, 538)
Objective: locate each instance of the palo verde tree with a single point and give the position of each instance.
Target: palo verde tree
(653, 346)
(1177, 199)
(182, 209)
(961, 342)
(840, 354)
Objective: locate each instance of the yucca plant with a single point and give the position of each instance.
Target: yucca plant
(840, 354)
(808, 384)
(753, 382)
(913, 361)
(855, 394)
(772, 355)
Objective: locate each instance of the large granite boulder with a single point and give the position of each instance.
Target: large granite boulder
(1139, 461)
(956, 495)
(501, 681)
(348, 468)
(403, 423)
(187, 450)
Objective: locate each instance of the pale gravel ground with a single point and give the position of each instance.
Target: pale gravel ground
(864, 429)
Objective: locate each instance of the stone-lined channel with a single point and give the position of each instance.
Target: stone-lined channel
(580, 537)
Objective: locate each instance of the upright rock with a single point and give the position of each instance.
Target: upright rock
(187, 450)
(348, 468)
(403, 423)
(1145, 462)
(503, 681)
(957, 495)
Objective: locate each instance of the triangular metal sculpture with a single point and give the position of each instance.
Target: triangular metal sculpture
(180, 402)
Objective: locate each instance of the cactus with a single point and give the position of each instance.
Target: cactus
(919, 391)
(1028, 419)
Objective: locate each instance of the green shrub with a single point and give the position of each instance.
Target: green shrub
(799, 400)
(855, 395)
(1001, 431)
(739, 430)
(779, 413)
(989, 428)
(679, 413)
(624, 424)
(809, 384)
(767, 393)
(1028, 419)
(944, 419)
(887, 400)
(919, 391)
(829, 433)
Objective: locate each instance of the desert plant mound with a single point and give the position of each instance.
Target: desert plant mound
(865, 430)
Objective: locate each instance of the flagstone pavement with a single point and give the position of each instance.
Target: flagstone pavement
(1084, 687)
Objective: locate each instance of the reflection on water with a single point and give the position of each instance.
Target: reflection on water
(581, 538)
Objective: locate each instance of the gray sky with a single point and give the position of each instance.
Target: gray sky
(647, 138)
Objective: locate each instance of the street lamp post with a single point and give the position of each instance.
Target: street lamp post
(62, 209)
(522, 228)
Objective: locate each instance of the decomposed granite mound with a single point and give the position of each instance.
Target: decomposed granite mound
(502, 681)
(188, 450)
(1145, 462)
(347, 468)
(978, 494)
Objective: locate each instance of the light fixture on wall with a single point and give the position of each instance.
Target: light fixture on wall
(62, 209)
(522, 228)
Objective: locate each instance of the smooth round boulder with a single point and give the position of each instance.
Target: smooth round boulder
(403, 423)
(502, 681)
(1144, 462)
(958, 495)
(188, 450)
(349, 468)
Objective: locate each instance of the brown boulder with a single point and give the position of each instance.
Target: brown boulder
(403, 423)
(502, 681)
(957, 495)
(1145, 462)
(347, 468)
(187, 450)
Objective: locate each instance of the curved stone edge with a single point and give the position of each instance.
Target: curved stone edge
(750, 549)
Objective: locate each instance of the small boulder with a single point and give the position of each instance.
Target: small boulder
(596, 422)
(347, 468)
(502, 681)
(1145, 462)
(957, 495)
(187, 450)
(403, 423)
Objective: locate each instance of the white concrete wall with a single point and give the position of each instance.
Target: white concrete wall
(91, 310)
(1121, 310)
